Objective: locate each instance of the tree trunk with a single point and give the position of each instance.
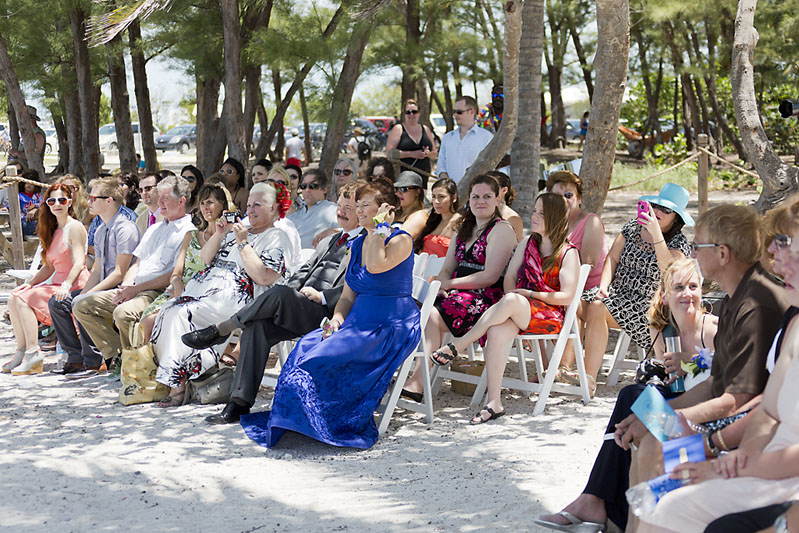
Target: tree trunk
(15, 96)
(652, 97)
(306, 126)
(62, 144)
(277, 121)
(120, 104)
(88, 110)
(494, 36)
(73, 124)
(456, 75)
(231, 35)
(779, 180)
(525, 166)
(556, 108)
(584, 66)
(13, 125)
(412, 52)
(448, 102)
(252, 93)
(342, 95)
(142, 91)
(687, 87)
(503, 139)
(207, 123)
(610, 65)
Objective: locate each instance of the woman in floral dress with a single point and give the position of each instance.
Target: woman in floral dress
(471, 278)
(242, 263)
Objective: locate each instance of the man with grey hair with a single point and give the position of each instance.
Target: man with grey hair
(155, 255)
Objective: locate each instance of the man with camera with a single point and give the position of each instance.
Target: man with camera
(283, 312)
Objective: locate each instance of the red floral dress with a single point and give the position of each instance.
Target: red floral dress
(544, 318)
(461, 309)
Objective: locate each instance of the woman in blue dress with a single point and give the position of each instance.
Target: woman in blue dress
(336, 376)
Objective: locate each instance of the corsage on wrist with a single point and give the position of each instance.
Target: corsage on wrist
(381, 226)
(698, 363)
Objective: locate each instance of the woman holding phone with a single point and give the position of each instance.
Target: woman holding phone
(639, 255)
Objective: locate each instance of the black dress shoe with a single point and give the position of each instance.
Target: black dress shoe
(69, 368)
(229, 415)
(203, 338)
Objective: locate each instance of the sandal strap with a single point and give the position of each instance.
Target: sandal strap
(489, 410)
(452, 348)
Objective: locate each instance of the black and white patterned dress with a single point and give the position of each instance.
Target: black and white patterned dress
(212, 295)
(635, 282)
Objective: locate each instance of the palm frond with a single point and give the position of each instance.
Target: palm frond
(102, 28)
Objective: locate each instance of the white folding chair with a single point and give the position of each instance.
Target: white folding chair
(424, 292)
(271, 374)
(27, 274)
(419, 263)
(570, 330)
(433, 266)
(618, 361)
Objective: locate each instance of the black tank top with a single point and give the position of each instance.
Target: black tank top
(407, 144)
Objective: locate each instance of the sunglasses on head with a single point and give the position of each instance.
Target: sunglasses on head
(61, 200)
(313, 186)
(93, 198)
(782, 241)
(342, 172)
(146, 189)
(404, 189)
(664, 210)
(411, 111)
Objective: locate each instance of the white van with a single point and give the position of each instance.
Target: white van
(108, 137)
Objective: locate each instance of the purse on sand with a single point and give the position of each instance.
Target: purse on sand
(214, 386)
(139, 366)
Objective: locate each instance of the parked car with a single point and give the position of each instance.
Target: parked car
(181, 138)
(439, 124)
(383, 124)
(375, 138)
(108, 137)
(50, 140)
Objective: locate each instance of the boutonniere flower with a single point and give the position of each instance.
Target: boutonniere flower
(698, 363)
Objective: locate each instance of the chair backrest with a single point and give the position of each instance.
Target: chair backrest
(434, 266)
(571, 311)
(425, 292)
(419, 263)
(306, 254)
(37, 259)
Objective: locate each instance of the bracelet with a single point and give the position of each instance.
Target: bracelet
(722, 444)
(709, 443)
(660, 241)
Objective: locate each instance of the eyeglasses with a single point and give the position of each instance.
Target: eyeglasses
(568, 195)
(782, 241)
(63, 201)
(146, 189)
(93, 198)
(404, 189)
(189, 178)
(695, 246)
(342, 172)
(664, 210)
(497, 95)
(273, 181)
(411, 111)
(313, 186)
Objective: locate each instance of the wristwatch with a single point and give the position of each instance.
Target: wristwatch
(781, 524)
(242, 245)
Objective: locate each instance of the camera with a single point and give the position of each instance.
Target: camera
(231, 217)
(789, 108)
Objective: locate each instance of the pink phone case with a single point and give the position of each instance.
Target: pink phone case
(643, 207)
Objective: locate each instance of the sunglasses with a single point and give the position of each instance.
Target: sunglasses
(63, 201)
(695, 246)
(497, 95)
(664, 210)
(460, 111)
(189, 178)
(404, 189)
(411, 111)
(342, 172)
(273, 181)
(227, 171)
(568, 195)
(782, 241)
(146, 189)
(313, 186)
(93, 198)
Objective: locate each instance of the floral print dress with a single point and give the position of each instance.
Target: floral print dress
(213, 294)
(191, 266)
(461, 308)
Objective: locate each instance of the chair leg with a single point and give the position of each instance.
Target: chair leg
(579, 357)
(393, 396)
(427, 388)
(619, 354)
(479, 390)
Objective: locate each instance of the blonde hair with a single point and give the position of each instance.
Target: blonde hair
(659, 314)
(108, 187)
(80, 203)
(736, 227)
(281, 171)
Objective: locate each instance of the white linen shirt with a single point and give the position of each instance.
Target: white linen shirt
(312, 221)
(158, 249)
(456, 154)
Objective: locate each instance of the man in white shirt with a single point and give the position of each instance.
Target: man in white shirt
(318, 214)
(461, 146)
(295, 149)
(156, 254)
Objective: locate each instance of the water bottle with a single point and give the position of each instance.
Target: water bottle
(644, 496)
(673, 345)
(61, 356)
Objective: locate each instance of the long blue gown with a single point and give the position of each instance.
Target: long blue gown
(329, 389)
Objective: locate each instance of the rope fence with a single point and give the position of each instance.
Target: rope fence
(733, 165)
(11, 179)
(656, 174)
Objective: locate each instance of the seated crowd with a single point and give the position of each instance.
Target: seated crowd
(184, 262)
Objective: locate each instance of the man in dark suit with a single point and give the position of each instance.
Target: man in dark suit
(283, 312)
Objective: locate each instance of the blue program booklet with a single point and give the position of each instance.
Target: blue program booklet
(657, 415)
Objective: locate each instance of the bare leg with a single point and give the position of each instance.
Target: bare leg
(146, 325)
(586, 507)
(598, 320)
(16, 323)
(496, 351)
(434, 333)
(25, 324)
(651, 528)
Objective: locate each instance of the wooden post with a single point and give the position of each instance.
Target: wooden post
(704, 164)
(15, 221)
(796, 155)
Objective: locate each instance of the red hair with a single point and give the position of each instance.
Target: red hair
(48, 224)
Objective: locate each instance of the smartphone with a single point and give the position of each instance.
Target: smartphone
(643, 207)
(231, 217)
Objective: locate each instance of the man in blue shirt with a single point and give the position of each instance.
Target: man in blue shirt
(461, 146)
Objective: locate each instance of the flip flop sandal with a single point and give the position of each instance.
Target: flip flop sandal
(477, 419)
(417, 397)
(172, 401)
(227, 359)
(575, 525)
(438, 356)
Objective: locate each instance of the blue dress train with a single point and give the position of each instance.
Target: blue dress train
(329, 389)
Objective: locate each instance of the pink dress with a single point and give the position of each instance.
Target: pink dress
(576, 238)
(60, 257)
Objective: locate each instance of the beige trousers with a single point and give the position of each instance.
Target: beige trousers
(98, 315)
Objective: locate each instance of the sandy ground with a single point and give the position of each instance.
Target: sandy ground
(75, 460)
